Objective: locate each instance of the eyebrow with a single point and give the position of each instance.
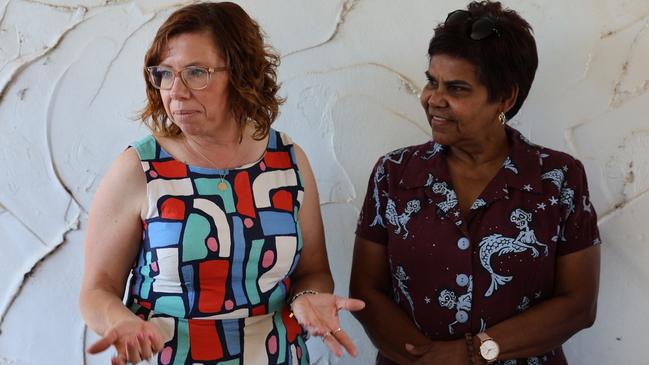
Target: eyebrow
(449, 82)
(185, 66)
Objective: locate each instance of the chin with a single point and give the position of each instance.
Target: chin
(188, 128)
(443, 137)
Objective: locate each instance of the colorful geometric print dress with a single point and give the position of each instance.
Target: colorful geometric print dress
(217, 252)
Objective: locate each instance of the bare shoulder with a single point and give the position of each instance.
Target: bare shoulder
(127, 168)
(300, 156)
(124, 183)
(114, 227)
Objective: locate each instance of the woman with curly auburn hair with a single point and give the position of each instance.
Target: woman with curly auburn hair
(215, 215)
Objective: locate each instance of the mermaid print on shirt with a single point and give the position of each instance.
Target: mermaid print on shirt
(379, 175)
(426, 265)
(497, 244)
(437, 148)
(401, 220)
(508, 164)
(441, 188)
(402, 290)
(462, 304)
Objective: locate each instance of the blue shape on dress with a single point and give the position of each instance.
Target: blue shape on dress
(188, 278)
(238, 258)
(277, 223)
(162, 234)
(232, 336)
(272, 141)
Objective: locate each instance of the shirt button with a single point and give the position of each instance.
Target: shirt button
(462, 280)
(461, 316)
(463, 243)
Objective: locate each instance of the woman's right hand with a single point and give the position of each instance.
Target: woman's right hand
(134, 339)
(440, 352)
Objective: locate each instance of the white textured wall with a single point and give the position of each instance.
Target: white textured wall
(70, 85)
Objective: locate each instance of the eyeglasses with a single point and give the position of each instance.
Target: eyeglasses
(481, 28)
(194, 77)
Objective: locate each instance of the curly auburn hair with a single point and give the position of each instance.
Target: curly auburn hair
(252, 65)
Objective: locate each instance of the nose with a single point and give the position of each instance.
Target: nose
(178, 89)
(435, 98)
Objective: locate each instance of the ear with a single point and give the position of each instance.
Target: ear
(508, 102)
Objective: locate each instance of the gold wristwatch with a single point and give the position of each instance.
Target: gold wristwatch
(489, 349)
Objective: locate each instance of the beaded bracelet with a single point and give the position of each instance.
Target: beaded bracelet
(469, 346)
(303, 292)
(293, 298)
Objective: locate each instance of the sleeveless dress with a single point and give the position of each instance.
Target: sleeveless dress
(217, 252)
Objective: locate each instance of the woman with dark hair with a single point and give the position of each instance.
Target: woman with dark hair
(215, 215)
(478, 246)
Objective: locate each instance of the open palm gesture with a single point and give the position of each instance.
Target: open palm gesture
(318, 314)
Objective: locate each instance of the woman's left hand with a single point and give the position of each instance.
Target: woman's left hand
(318, 314)
(440, 353)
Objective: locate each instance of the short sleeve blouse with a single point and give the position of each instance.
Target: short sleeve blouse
(453, 276)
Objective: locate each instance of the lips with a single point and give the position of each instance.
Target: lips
(184, 112)
(440, 120)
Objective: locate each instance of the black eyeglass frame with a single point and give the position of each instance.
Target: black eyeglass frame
(481, 28)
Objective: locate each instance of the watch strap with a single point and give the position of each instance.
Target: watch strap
(483, 336)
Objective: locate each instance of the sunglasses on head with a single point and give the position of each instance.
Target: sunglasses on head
(481, 28)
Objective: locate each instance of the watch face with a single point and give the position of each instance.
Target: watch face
(489, 350)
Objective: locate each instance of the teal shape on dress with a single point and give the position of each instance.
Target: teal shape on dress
(281, 337)
(170, 305)
(252, 271)
(304, 360)
(205, 186)
(145, 270)
(277, 298)
(146, 148)
(182, 346)
(197, 229)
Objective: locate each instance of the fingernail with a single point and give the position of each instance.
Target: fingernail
(409, 347)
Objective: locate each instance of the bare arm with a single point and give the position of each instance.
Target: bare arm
(541, 328)
(312, 272)
(317, 313)
(370, 282)
(112, 241)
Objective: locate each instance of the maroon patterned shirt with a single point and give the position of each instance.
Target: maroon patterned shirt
(453, 276)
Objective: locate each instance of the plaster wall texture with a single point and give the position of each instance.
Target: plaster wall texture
(352, 70)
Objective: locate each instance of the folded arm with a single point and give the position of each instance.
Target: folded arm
(387, 325)
(549, 324)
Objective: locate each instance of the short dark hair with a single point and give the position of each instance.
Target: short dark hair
(252, 65)
(505, 60)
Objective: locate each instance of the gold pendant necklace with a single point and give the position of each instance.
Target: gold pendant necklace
(222, 185)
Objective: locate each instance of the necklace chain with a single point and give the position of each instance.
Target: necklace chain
(222, 185)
